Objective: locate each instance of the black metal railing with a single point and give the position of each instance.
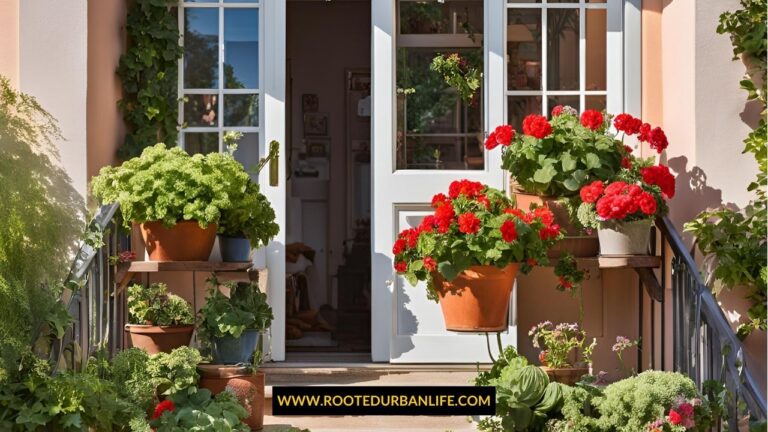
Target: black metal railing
(90, 296)
(704, 345)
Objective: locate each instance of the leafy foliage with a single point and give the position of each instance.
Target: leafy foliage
(557, 342)
(747, 29)
(153, 305)
(149, 72)
(245, 308)
(464, 74)
(199, 412)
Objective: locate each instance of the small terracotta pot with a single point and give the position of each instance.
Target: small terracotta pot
(578, 244)
(478, 299)
(156, 339)
(243, 383)
(625, 238)
(185, 241)
(567, 376)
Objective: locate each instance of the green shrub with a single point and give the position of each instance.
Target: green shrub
(199, 412)
(246, 308)
(153, 305)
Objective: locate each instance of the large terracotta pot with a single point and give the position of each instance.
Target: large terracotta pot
(243, 383)
(575, 242)
(156, 339)
(567, 376)
(478, 299)
(185, 241)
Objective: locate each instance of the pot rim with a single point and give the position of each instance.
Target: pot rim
(153, 329)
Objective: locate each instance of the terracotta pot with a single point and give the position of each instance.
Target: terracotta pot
(243, 383)
(156, 339)
(478, 299)
(575, 242)
(567, 376)
(185, 241)
(625, 238)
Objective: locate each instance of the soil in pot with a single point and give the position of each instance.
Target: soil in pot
(185, 241)
(157, 339)
(234, 249)
(567, 376)
(478, 299)
(243, 383)
(231, 350)
(579, 244)
(625, 238)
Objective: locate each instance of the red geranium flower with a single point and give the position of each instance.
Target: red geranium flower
(411, 235)
(464, 187)
(482, 199)
(647, 203)
(162, 407)
(557, 110)
(627, 124)
(615, 188)
(427, 224)
(504, 134)
(591, 192)
(686, 409)
(660, 176)
(439, 200)
(469, 223)
(674, 417)
(401, 266)
(508, 231)
(644, 132)
(626, 163)
(490, 142)
(544, 214)
(628, 149)
(430, 264)
(549, 232)
(536, 126)
(444, 216)
(398, 247)
(658, 140)
(567, 285)
(592, 119)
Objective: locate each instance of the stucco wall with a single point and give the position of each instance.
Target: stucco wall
(9, 37)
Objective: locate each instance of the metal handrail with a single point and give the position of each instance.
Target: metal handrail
(705, 346)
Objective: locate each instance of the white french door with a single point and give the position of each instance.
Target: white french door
(422, 140)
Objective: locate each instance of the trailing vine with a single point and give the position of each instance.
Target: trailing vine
(734, 242)
(149, 72)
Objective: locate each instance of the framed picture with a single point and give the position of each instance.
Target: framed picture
(315, 124)
(309, 102)
(359, 81)
(317, 147)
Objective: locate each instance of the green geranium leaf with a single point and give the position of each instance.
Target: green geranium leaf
(544, 174)
(592, 161)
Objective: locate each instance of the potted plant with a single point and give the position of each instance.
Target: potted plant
(232, 325)
(553, 159)
(243, 381)
(564, 355)
(176, 199)
(623, 211)
(199, 411)
(160, 322)
(470, 250)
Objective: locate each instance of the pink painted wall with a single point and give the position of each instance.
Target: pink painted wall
(9, 40)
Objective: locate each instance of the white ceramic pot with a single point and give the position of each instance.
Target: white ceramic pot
(624, 238)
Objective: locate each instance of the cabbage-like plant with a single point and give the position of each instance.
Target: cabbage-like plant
(252, 217)
(246, 308)
(153, 305)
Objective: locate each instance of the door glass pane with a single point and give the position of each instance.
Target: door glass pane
(520, 106)
(201, 54)
(241, 1)
(207, 142)
(241, 110)
(570, 100)
(563, 49)
(595, 33)
(241, 48)
(524, 49)
(595, 102)
(439, 126)
(201, 110)
(247, 152)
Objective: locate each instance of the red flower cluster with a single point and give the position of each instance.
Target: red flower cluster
(429, 263)
(508, 231)
(645, 133)
(439, 200)
(557, 110)
(674, 417)
(501, 135)
(627, 124)
(464, 187)
(565, 283)
(444, 217)
(536, 126)
(162, 407)
(618, 200)
(469, 223)
(592, 119)
(660, 176)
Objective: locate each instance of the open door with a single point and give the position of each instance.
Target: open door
(424, 136)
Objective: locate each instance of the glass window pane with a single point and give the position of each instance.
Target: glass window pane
(523, 1)
(241, 110)
(201, 110)
(524, 49)
(448, 17)
(201, 54)
(207, 142)
(241, 1)
(595, 33)
(570, 100)
(241, 48)
(518, 107)
(563, 49)
(595, 103)
(247, 152)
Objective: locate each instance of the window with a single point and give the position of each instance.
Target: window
(220, 76)
(556, 55)
(436, 127)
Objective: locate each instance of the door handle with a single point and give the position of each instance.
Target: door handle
(274, 163)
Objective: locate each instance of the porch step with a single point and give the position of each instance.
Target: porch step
(365, 374)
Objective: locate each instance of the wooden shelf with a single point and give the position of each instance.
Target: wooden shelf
(126, 271)
(628, 261)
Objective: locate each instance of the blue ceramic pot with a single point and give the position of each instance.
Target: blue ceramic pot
(234, 249)
(231, 350)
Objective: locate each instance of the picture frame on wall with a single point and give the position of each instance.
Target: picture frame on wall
(309, 102)
(359, 81)
(317, 147)
(315, 124)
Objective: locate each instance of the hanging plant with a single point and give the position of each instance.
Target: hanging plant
(149, 73)
(464, 74)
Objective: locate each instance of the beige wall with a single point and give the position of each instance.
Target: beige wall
(9, 35)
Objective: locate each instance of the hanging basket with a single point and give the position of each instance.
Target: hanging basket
(478, 299)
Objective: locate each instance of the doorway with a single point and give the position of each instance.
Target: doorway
(328, 194)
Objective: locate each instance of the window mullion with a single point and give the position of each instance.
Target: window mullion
(582, 57)
(544, 67)
(221, 79)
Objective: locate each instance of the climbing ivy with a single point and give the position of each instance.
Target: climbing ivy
(149, 72)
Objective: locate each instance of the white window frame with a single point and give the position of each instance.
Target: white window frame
(221, 91)
(614, 91)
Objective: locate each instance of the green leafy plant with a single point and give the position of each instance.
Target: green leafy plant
(148, 71)
(154, 305)
(246, 308)
(169, 185)
(560, 343)
(464, 74)
(251, 216)
(473, 225)
(199, 412)
(747, 29)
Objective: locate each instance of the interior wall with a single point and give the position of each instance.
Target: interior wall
(324, 39)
